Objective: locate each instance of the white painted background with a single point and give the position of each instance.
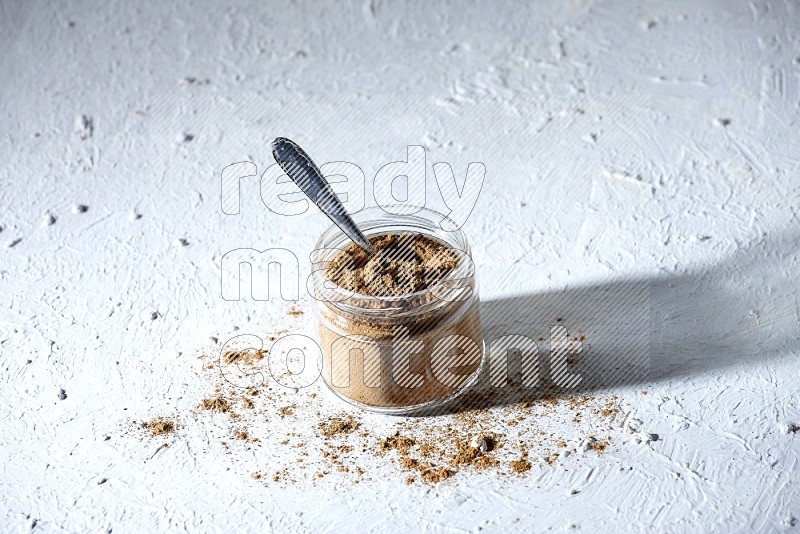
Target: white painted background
(623, 140)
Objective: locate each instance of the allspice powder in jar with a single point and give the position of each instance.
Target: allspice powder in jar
(400, 329)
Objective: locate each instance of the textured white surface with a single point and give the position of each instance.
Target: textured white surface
(653, 142)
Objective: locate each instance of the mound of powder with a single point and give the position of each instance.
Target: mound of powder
(404, 263)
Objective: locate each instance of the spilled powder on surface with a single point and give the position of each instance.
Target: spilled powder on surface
(307, 437)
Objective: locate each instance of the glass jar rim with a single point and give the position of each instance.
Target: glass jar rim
(376, 220)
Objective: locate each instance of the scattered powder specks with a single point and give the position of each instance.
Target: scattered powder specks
(520, 465)
(159, 426)
(338, 426)
(286, 410)
(315, 437)
(217, 403)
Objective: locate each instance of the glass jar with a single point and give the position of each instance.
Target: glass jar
(399, 354)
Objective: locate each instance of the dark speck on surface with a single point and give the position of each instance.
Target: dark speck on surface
(193, 80)
(62, 395)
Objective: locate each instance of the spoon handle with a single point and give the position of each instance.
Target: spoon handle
(299, 167)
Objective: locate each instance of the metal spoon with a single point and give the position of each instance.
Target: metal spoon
(299, 167)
